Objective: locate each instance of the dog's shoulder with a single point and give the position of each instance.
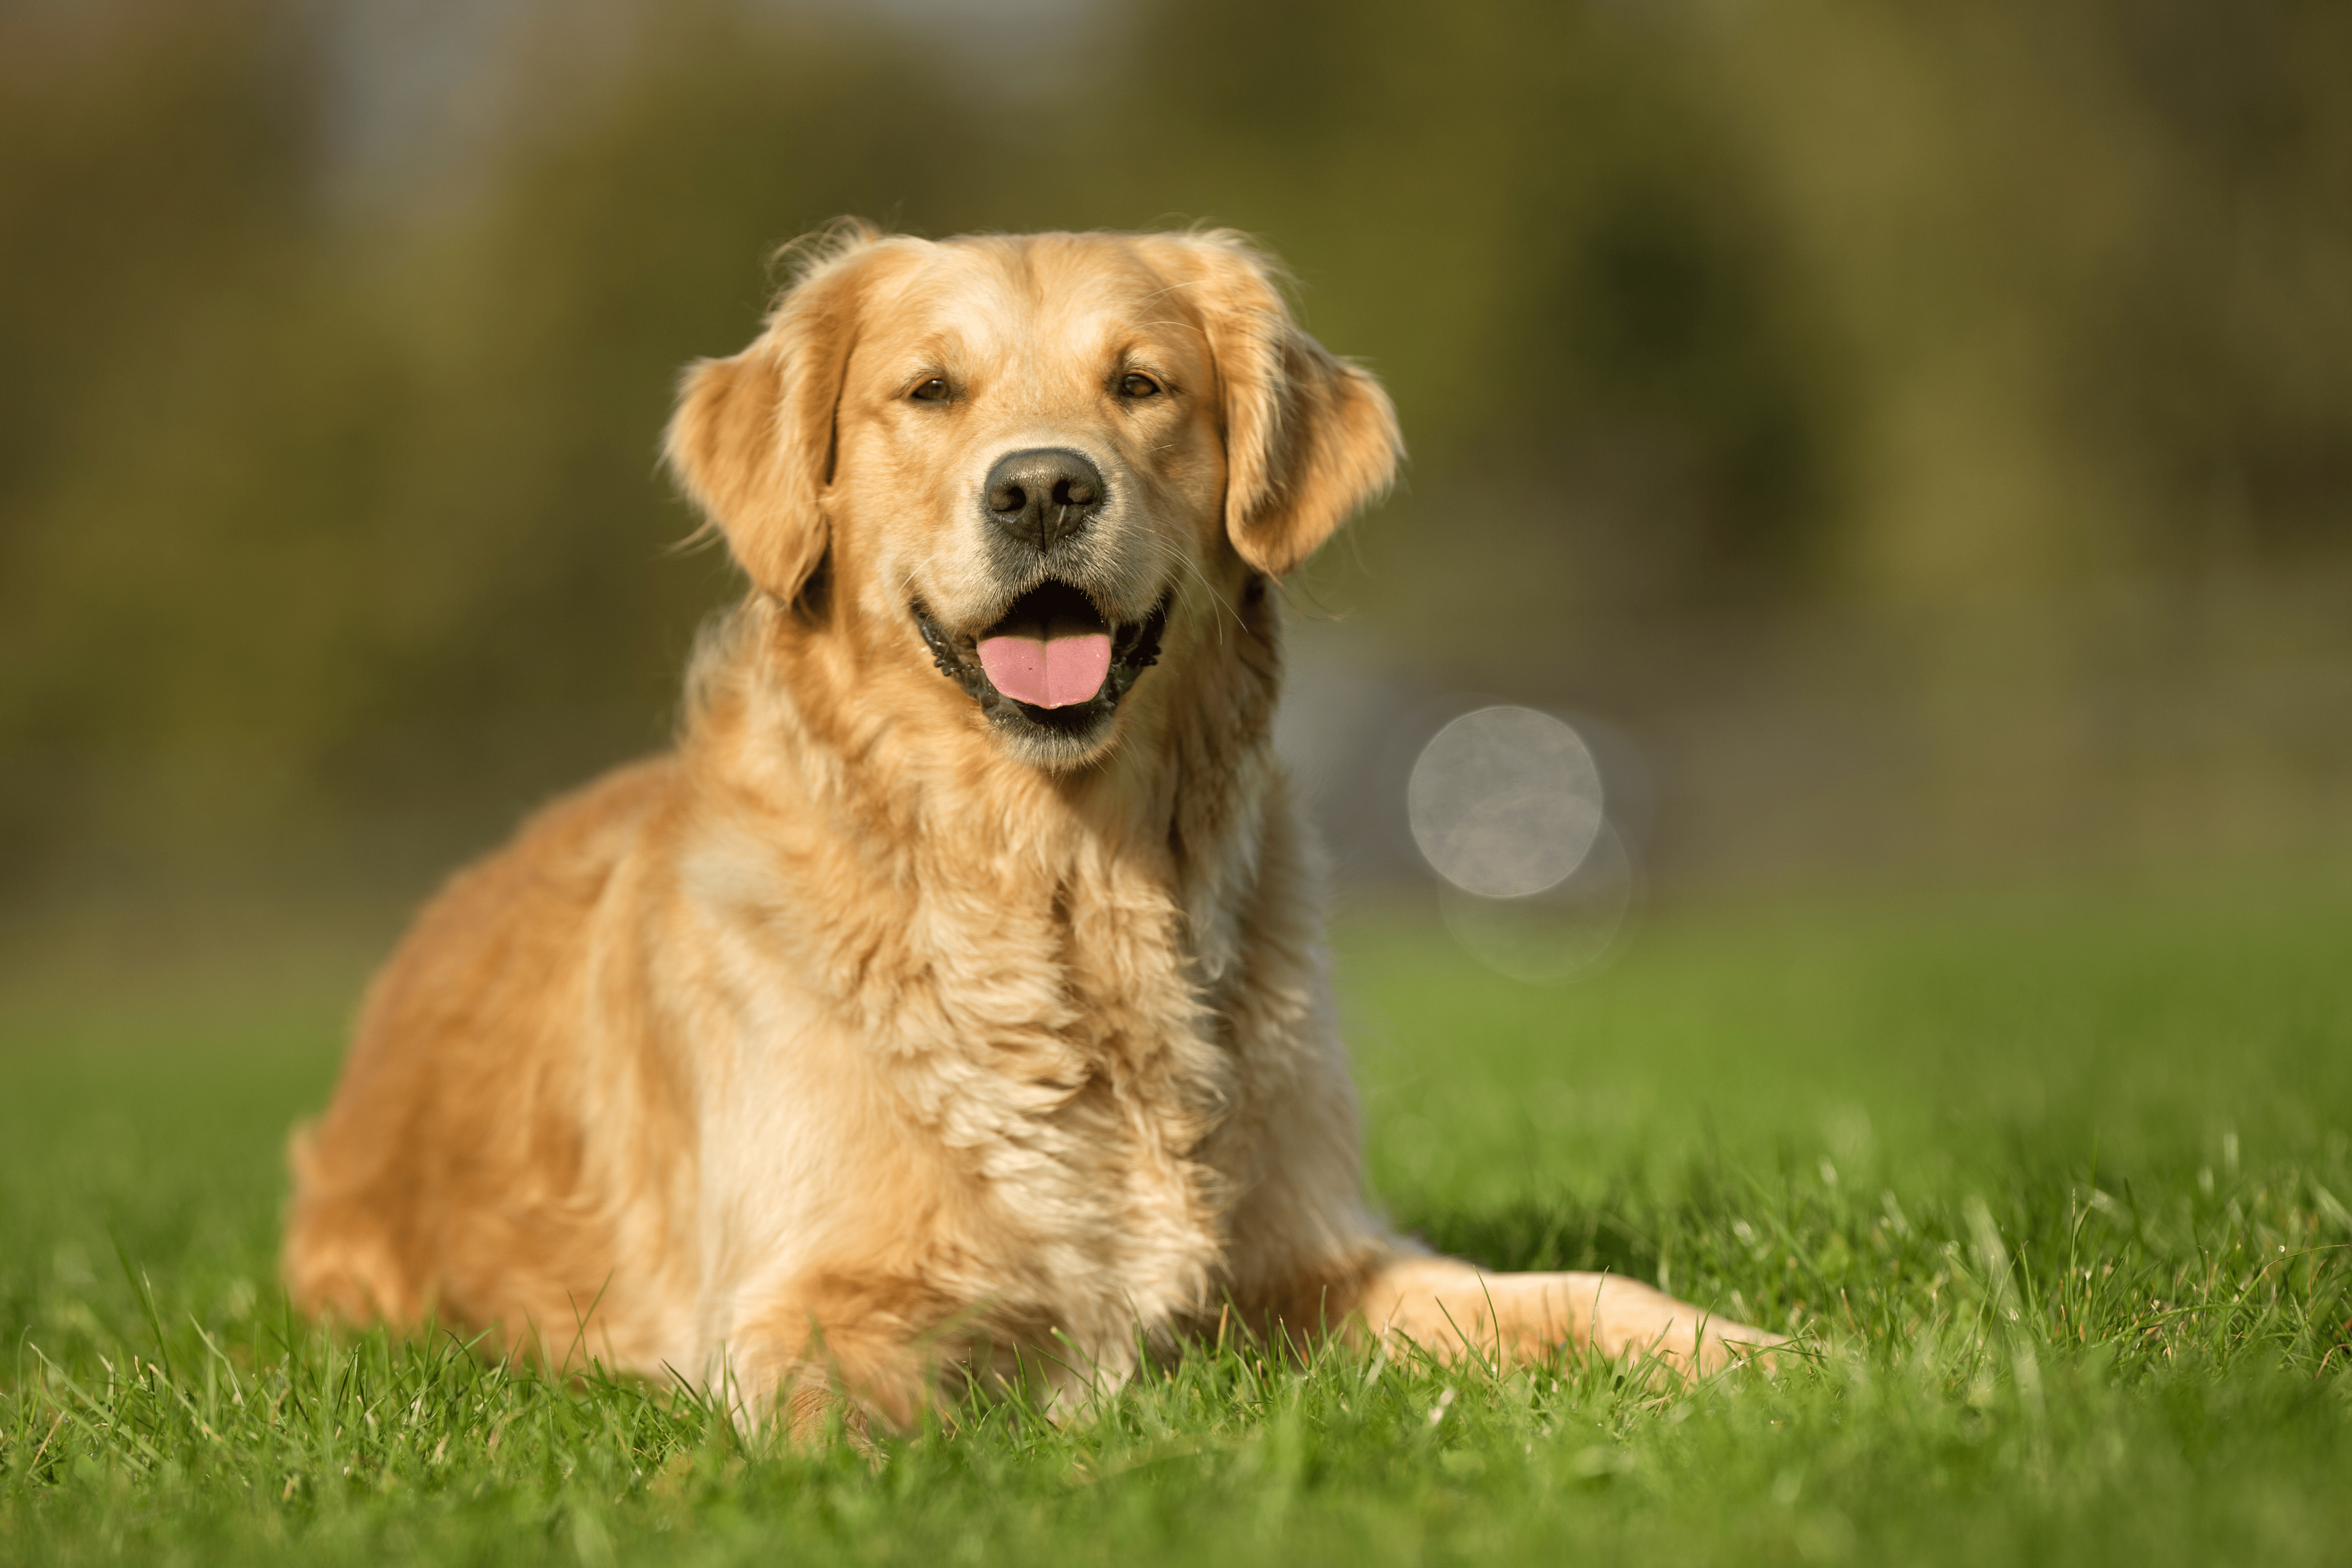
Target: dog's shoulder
(506, 918)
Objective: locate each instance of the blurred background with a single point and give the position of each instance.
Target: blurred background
(1911, 443)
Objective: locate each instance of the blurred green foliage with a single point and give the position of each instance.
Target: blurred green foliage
(320, 498)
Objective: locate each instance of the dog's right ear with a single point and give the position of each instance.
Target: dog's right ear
(752, 440)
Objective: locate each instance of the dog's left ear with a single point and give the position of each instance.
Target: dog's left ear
(1310, 437)
(752, 440)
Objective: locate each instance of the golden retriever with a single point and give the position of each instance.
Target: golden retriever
(949, 1001)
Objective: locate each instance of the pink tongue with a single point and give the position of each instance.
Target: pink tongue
(1047, 672)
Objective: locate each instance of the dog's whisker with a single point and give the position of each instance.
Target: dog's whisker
(1171, 554)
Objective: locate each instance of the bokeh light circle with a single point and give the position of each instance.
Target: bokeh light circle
(1567, 932)
(1505, 801)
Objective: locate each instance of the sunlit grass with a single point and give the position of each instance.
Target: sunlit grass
(2054, 1194)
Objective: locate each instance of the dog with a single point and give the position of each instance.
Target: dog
(949, 1004)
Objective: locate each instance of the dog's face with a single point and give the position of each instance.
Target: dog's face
(1028, 436)
(1036, 461)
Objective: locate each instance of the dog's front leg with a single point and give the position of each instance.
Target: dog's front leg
(827, 1350)
(1448, 1307)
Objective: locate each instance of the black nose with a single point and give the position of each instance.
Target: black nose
(1044, 495)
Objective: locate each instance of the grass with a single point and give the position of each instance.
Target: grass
(2055, 1188)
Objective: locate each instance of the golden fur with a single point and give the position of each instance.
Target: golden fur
(869, 1039)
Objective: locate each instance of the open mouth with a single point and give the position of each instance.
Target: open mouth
(1051, 650)
(1053, 662)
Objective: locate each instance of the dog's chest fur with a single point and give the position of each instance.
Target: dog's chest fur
(1075, 1098)
(1037, 1023)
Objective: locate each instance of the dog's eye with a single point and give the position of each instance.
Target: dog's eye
(1133, 385)
(932, 391)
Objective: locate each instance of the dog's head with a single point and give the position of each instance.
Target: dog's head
(1041, 462)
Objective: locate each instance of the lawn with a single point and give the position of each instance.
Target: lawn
(2053, 1186)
